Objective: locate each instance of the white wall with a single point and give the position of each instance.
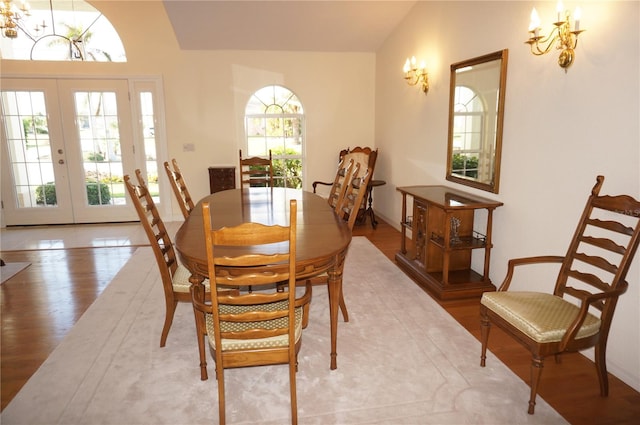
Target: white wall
(560, 130)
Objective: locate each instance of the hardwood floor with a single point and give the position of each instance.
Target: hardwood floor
(41, 303)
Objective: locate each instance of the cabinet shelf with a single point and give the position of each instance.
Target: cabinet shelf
(478, 240)
(444, 268)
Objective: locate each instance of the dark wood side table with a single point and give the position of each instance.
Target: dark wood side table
(222, 178)
(369, 210)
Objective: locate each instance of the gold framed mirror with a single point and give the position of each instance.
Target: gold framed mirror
(476, 115)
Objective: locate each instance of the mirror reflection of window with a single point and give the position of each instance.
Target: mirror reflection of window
(476, 112)
(468, 123)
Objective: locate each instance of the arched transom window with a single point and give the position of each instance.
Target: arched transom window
(57, 30)
(274, 120)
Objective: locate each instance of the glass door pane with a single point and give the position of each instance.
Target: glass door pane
(35, 186)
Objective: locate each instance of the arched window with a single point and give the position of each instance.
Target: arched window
(274, 120)
(468, 125)
(57, 31)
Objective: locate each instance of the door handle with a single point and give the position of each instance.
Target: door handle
(61, 161)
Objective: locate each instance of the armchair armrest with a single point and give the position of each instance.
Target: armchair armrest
(316, 183)
(588, 299)
(526, 261)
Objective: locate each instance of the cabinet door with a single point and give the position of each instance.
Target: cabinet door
(222, 178)
(437, 222)
(419, 231)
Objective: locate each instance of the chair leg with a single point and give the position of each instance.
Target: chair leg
(203, 360)
(343, 308)
(601, 367)
(485, 327)
(537, 363)
(221, 400)
(168, 320)
(294, 399)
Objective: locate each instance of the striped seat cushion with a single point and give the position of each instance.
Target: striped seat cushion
(542, 317)
(258, 343)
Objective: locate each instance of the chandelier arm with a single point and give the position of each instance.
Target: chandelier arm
(551, 39)
(24, 31)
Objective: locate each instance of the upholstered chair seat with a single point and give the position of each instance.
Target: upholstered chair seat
(180, 280)
(229, 344)
(542, 317)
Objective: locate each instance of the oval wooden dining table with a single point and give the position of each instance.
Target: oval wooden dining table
(322, 238)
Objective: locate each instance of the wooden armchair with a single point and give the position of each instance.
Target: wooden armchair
(179, 187)
(256, 171)
(366, 157)
(175, 277)
(263, 327)
(592, 275)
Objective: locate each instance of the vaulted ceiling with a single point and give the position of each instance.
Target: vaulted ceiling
(326, 26)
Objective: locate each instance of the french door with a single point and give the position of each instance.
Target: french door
(66, 146)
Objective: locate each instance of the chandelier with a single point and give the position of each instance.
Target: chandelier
(10, 16)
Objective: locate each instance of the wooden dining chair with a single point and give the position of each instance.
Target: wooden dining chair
(344, 174)
(347, 210)
(256, 171)
(366, 158)
(260, 328)
(175, 277)
(179, 187)
(591, 277)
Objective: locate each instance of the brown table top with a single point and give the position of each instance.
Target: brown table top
(321, 236)
(449, 198)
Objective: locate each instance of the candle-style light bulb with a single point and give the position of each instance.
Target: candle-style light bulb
(560, 9)
(535, 20)
(534, 24)
(407, 66)
(577, 15)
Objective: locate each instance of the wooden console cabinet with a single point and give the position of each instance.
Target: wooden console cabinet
(438, 255)
(222, 178)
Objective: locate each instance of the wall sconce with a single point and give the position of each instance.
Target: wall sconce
(567, 40)
(415, 75)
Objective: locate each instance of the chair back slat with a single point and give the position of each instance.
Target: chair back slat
(152, 224)
(614, 226)
(346, 171)
(597, 261)
(354, 198)
(604, 243)
(591, 279)
(256, 171)
(179, 187)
